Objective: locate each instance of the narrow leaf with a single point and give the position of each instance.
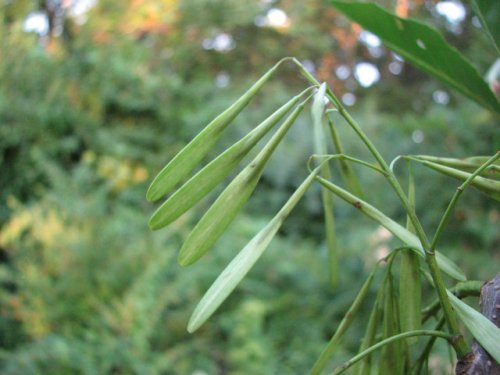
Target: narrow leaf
(244, 261)
(488, 12)
(391, 361)
(215, 221)
(317, 112)
(467, 164)
(328, 351)
(411, 240)
(370, 334)
(483, 330)
(410, 288)
(346, 365)
(211, 175)
(422, 46)
(346, 171)
(486, 185)
(184, 162)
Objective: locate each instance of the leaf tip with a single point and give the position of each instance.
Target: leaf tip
(185, 259)
(194, 323)
(153, 223)
(191, 328)
(152, 194)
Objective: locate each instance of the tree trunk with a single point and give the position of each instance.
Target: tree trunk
(478, 361)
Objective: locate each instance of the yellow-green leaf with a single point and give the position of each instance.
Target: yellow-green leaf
(184, 162)
(215, 221)
(483, 330)
(244, 261)
(211, 175)
(317, 112)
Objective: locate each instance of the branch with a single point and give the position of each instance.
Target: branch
(478, 361)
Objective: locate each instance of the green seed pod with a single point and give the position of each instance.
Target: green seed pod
(216, 171)
(410, 288)
(231, 200)
(244, 261)
(184, 162)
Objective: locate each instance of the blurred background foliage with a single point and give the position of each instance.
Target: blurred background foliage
(95, 96)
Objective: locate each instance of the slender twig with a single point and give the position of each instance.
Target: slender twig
(387, 341)
(329, 157)
(456, 196)
(342, 328)
(427, 349)
(459, 343)
(345, 169)
(461, 290)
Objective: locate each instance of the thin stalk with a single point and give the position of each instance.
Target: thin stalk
(378, 157)
(349, 158)
(345, 168)
(343, 326)
(320, 146)
(371, 331)
(461, 290)
(388, 173)
(427, 349)
(387, 341)
(459, 343)
(456, 196)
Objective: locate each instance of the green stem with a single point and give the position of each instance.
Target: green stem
(456, 196)
(345, 169)
(343, 326)
(427, 349)
(387, 341)
(373, 150)
(461, 290)
(459, 344)
(349, 158)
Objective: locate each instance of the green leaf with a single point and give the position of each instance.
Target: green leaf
(410, 292)
(410, 288)
(370, 334)
(391, 360)
(483, 330)
(317, 112)
(211, 175)
(411, 240)
(184, 162)
(449, 267)
(215, 221)
(348, 318)
(486, 185)
(347, 173)
(227, 281)
(468, 164)
(422, 46)
(488, 12)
